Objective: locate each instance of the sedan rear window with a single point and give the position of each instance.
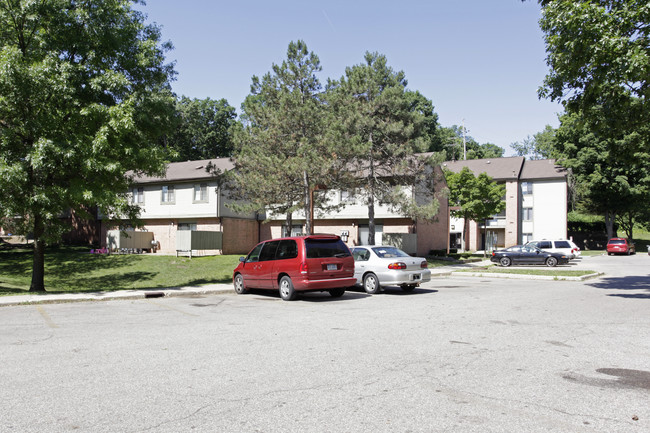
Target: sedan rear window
(322, 248)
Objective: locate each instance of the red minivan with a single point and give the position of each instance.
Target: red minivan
(297, 264)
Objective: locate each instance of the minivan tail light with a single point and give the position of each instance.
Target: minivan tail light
(424, 264)
(397, 265)
(303, 267)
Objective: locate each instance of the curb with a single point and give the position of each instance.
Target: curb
(7, 301)
(528, 277)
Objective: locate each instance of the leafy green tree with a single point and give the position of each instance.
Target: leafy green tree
(539, 146)
(611, 181)
(599, 57)
(381, 132)
(84, 96)
(477, 197)
(458, 145)
(204, 129)
(281, 155)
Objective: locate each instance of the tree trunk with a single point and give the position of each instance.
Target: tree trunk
(371, 198)
(308, 198)
(610, 216)
(38, 265)
(289, 223)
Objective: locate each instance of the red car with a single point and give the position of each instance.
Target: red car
(620, 246)
(297, 264)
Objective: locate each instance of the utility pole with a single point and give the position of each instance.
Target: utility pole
(464, 142)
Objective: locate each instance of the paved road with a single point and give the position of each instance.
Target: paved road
(462, 354)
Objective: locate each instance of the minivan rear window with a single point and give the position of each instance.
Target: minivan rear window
(617, 241)
(322, 248)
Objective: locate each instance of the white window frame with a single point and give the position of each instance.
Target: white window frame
(527, 214)
(167, 194)
(202, 190)
(137, 195)
(526, 188)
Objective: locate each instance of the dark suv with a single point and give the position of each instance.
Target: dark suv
(297, 264)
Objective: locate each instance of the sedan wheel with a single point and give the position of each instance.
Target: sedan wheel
(240, 288)
(551, 262)
(287, 291)
(371, 283)
(505, 261)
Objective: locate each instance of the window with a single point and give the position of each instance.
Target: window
(288, 249)
(137, 195)
(347, 196)
(526, 188)
(254, 255)
(527, 213)
(296, 230)
(526, 237)
(562, 244)
(167, 194)
(201, 192)
(187, 226)
(268, 252)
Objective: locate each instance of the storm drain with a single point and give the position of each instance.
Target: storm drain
(154, 295)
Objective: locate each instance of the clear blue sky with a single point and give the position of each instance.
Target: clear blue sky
(480, 61)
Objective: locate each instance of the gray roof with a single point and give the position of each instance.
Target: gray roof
(499, 169)
(510, 168)
(542, 169)
(189, 170)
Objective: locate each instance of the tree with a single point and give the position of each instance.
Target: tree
(203, 129)
(458, 145)
(599, 55)
(281, 155)
(540, 146)
(381, 130)
(84, 96)
(477, 197)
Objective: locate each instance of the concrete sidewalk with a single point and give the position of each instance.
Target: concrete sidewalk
(208, 289)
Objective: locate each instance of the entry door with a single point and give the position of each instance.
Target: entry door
(364, 230)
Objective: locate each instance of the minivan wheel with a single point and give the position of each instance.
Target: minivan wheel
(240, 288)
(371, 283)
(337, 293)
(287, 291)
(551, 262)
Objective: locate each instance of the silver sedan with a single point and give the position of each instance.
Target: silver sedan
(382, 265)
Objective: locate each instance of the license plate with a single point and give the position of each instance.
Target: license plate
(331, 267)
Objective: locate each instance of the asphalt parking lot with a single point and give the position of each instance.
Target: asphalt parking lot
(461, 354)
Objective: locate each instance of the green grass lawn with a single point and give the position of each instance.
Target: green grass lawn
(76, 270)
(542, 271)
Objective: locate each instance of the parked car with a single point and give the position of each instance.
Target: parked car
(528, 255)
(620, 246)
(297, 264)
(382, 265)
(567, 247)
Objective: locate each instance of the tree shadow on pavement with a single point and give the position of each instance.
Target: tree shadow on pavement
(637, 283)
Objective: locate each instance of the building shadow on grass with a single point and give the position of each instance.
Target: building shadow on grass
(638, 284)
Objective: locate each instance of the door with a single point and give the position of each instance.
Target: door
(266, 265)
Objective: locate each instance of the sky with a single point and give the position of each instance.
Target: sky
(481, 62)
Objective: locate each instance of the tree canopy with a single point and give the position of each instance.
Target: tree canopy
(540, 146)
(84, 97)
(204, 129)
(382, 125)
(281, 154)
(599, 58)
(476, 198)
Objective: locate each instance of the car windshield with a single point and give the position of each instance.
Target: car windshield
(389, 252)
(322, 248)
